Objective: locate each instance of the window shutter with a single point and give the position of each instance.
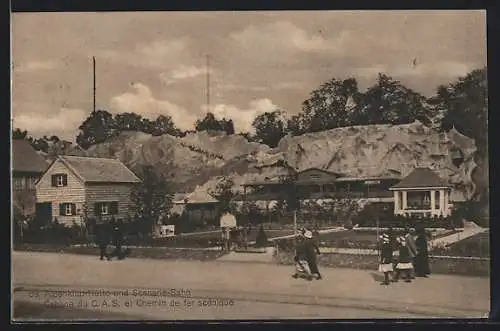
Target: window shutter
(114, 208)
(73, 209)
(65, 180)
(54, 180)
(97, 208)
(62, 211)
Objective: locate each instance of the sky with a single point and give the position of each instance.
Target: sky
(154, 63)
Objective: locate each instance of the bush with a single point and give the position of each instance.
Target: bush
(261, 240)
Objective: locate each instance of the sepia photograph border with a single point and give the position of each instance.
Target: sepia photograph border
(493, 37)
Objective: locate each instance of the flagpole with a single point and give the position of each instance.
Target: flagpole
(93, 78)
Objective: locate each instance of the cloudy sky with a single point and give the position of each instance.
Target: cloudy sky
(154, 63)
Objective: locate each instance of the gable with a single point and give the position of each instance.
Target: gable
(58, 167)
(316, 175)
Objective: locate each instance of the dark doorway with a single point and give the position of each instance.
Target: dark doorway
(43, 213)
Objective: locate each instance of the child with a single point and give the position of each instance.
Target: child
(385, 258)
(404, 264)
(301, 265)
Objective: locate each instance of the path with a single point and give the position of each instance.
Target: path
(256, 290)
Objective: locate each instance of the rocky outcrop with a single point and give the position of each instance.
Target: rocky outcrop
(199, 160)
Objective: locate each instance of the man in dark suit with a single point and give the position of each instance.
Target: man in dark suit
(117, 238)
(102, 238)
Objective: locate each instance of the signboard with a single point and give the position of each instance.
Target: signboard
(166, 231)
(228, 221)
(372, 182)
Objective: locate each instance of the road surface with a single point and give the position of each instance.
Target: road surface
(64, 286)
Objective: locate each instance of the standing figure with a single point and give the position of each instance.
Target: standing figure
(117, 238)
(412, 247)
(102, 238)
(301, 265)
(404, 265)
(422, 268)
(385, 265)
(312, 250)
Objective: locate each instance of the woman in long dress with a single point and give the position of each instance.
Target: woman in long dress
(422, 268)
(404, 265)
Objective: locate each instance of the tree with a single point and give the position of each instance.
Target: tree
(128, 122)
(328, 106)
(18, 134)
(228, 126)
(152, 198)
(296, 125)
(98, 127)
(390, 102)
(40, 144)
(269, 128)
(164, 125)
(465, 106)
(209, 123)
(224, 194)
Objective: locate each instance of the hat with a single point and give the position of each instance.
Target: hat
(384, 238)
(308, 234)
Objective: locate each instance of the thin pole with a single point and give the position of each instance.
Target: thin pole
(208, 83)
(93, 77)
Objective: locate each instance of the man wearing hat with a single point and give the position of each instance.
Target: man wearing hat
(385, 265)
(311, 250)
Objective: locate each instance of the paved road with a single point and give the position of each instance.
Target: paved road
(225, 290)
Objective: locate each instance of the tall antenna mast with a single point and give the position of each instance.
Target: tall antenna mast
(93, 77)
(208, 83)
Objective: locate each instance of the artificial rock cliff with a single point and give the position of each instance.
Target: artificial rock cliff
(196, 162)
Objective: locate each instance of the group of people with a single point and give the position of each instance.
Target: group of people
(110, 233)
(413, 257)
(306, 252)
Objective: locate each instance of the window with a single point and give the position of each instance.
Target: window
(67, 209)
(59, 180)
(30, 183)
(106, 208)
(315, 176)
(19, 183)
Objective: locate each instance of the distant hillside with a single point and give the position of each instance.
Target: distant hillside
(199, 159)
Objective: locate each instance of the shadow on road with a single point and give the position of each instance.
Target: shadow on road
(377, 277)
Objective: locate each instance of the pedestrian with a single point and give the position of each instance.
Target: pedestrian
(102, 238)
(312, 250)
(404, 265)
(422, 268)
(117, 238)
(412, 247)
(385, 265)
(301, 264)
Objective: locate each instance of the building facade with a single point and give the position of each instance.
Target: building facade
(76, 188)
(27, 168)
(422, 193)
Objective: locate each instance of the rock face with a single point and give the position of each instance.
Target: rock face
(197, 161)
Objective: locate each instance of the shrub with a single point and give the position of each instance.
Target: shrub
(261, 240)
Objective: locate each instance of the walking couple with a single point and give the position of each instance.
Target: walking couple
(305, 257)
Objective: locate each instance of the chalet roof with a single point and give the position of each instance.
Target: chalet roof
(421, 177)
(25, 158)
(320, 170)
(94, 169)
(199, 196)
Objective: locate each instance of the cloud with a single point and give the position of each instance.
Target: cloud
(181, 73)
(142, 101)
(448, 69)
(163, 48)
(63, 123)
(156, 54)
(32, 66)
(285, 36)
(242, 117)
